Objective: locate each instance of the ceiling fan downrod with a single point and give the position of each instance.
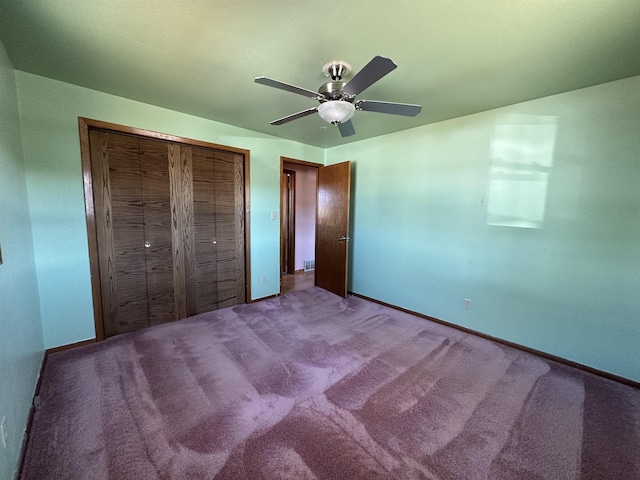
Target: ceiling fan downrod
(336, 69)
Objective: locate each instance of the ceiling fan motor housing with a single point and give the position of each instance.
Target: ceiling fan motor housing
(333, 91)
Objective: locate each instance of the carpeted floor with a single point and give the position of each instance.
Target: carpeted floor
(313, 386)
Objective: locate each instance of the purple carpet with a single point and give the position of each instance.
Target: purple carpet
(313, 386)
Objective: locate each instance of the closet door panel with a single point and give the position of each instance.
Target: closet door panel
(98, 144)
(124, 258)
(239, 207)
(128, 233)
(169, 227)
(225, 224)
(207, 242)
(181, 173)
(156, 202)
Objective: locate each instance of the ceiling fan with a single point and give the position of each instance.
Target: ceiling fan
(338, 98)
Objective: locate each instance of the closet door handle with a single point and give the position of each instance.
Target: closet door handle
(343, 239)
(147, 244)
(215, 242)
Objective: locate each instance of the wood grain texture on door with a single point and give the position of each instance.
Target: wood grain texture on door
(223, 175)
(169, 228)
(120, 231)
(332, 230)
(158, 239)
(218, 194)
(240, 194)
(134, 227)
(206, 241)
(183, 244)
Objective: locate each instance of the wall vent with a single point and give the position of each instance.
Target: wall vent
(309, 265)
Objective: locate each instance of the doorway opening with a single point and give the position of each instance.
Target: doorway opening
(288, 223)
(298, 200)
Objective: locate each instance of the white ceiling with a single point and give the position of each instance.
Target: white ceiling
(454, 57)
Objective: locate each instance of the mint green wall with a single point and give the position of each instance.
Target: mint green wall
(435, 210)
(49, 114)
(21, 345)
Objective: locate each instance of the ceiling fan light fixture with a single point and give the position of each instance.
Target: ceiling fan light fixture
(336, 111)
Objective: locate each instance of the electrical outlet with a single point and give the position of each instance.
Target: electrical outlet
(3, 432)
(466, 304)
(264, 279)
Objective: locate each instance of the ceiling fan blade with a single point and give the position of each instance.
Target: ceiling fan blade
(346, 129)
(295, 116)
(373, 71)
(405, 109)
(270, 82)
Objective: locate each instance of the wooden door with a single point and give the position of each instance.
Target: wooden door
(218, 212)
(131, 192)
(206, 256)
(144, 194)
(229, 224)
(332, 227)
(120, 233)
(157, 227)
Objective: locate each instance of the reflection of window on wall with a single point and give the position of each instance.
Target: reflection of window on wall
(521, 161)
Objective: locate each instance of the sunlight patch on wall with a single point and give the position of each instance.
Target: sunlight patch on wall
(521, 162)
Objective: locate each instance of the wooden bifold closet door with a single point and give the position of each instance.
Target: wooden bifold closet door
(218, 200)
(169, 228)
